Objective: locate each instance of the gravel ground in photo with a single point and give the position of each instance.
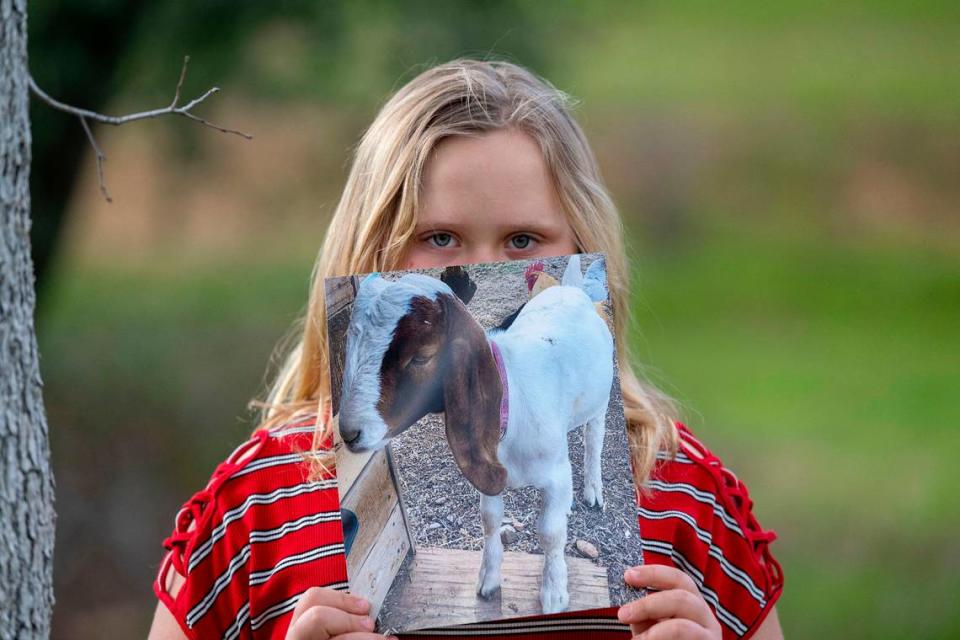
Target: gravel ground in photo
(443, 508)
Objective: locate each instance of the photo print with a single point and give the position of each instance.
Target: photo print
(481, 444)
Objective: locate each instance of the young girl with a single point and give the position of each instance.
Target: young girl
(471, 161)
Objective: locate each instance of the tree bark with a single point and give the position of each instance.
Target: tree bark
(26, 480)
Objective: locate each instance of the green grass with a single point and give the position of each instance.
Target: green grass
(826, 376)
(834, 62)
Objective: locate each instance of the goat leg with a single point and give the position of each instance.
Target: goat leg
(592, 455)
(552, 530)
(491, 510)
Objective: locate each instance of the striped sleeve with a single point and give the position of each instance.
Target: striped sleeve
(259, 535)
(695, 514)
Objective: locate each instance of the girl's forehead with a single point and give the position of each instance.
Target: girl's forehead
(508, 153)
(498, 176)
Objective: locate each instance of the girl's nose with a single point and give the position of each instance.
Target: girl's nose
(485, 253)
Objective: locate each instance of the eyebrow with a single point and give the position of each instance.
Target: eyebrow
(527, 225)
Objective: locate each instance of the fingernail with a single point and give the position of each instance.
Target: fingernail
(623, 614)
(361, 603)
(368, 624)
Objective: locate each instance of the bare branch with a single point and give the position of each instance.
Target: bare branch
(100, 159)
(85, 114)
(118, 120)
(183, 74)
(213, 126)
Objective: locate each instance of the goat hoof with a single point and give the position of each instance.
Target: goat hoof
(488, 584)
(593, 498)
(487, 591)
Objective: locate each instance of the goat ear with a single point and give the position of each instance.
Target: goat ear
(459, 281)
(471, 398)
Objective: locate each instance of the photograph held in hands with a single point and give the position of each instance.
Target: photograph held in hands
(482, 456)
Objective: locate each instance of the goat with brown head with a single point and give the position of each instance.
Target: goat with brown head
(412, 349)
(511, 395)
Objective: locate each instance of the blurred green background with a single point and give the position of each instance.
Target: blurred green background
(788, 173)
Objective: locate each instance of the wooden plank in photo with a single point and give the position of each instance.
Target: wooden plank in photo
(339, 294)
(373, 498)
(391, 463)
(373, 578)
(440, 589)
(349, 465)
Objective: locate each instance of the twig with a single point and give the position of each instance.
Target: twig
(85, 114)
(100, 159)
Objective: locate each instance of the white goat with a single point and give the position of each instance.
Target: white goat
(509, 396)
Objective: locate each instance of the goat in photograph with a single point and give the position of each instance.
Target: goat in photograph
(509, 397)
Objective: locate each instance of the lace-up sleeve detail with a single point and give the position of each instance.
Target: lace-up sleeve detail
(697, 515)
(210, 563)
(253, 540)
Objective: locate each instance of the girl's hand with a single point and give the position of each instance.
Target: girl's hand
(325, 614)
(675, 610)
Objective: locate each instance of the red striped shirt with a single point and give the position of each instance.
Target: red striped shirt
(259, 535)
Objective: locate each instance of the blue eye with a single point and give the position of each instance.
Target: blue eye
(521, 241)
(441, 239)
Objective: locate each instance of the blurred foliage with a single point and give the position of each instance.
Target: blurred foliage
(73, 49)
(787, 172)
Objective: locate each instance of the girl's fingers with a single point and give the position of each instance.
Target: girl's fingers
(322, 623)
(673, 603)
(660, 577)
(640, 627)
(320, 596)
(675, 629)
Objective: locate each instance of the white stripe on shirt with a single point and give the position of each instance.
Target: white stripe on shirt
(733, 572)
(700, 496)
(530, 626)
(268, 535)
(202, 550)
(723, 615)
(219, 585)
(324, 551)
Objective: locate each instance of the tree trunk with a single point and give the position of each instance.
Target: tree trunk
(26, 481)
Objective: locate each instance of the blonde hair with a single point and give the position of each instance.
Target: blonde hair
(376, 216)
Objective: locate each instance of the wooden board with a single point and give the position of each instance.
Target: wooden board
(339, 295)
(394, 478)
(349, 465)
(373, 498)
(438, 589)
(373, 578)
(368, 487)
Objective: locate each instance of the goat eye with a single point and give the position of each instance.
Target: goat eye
(419, 360)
